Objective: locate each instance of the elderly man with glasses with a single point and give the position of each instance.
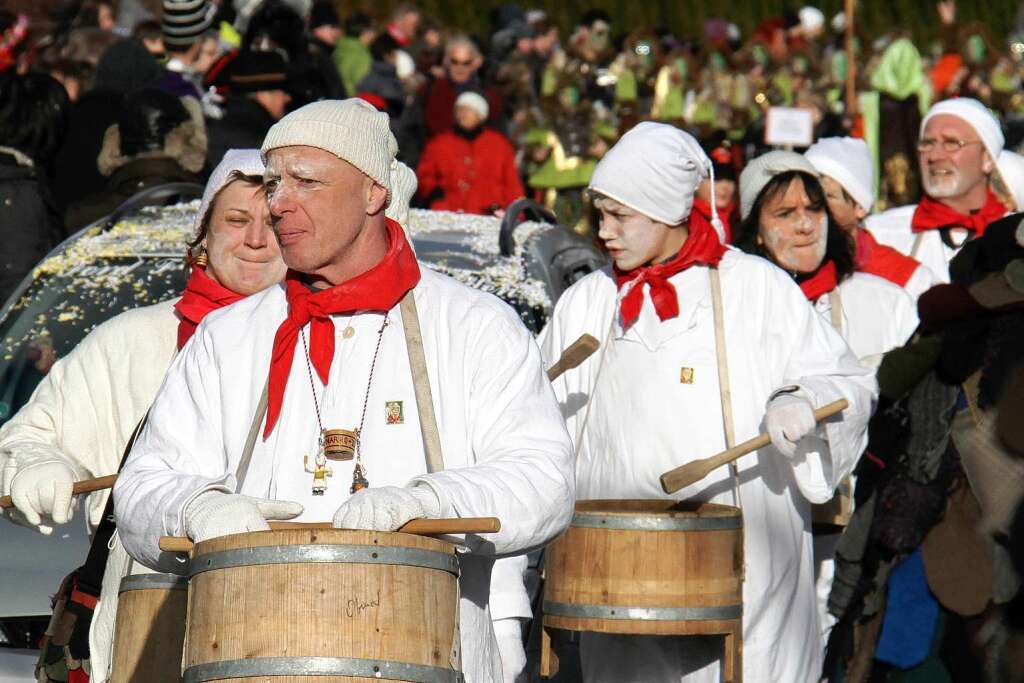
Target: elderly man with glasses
(959, 143)
(462, 62)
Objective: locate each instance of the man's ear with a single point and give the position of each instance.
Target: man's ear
(987, 165)
(377, 199)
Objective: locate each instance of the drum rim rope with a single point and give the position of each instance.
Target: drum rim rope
(719, 613)
(638, 522)
(324, 553)
(139, 582)
(321, 666)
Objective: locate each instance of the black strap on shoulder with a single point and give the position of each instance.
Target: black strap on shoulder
(90, 574)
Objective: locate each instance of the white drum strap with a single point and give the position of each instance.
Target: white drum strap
(725, 392)
(917, 244)
(835, 302)
(421, 384)
(421, 387)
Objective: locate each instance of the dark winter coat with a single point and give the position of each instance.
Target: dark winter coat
(244, 125)
(29, 222)
(127, 181)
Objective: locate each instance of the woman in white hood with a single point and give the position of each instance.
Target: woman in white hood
(82, 414)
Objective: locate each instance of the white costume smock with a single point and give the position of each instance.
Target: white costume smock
(877, 316)
(644, 421)
(892, 227)
(83, 413)
(506, 450)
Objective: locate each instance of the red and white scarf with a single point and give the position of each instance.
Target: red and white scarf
(701, 248)
(378, 289)
(931, 214)
(202, 295)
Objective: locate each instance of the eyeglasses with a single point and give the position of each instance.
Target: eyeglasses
(950, 145)
(455, 62)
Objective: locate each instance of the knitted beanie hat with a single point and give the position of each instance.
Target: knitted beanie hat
(474, 101)
(350, 129)
(184, 21)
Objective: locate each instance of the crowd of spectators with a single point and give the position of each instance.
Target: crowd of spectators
(524, 111)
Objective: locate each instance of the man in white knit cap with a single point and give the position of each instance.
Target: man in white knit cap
(651, 400)
(333, 336)
(959, 144)
(848, 178)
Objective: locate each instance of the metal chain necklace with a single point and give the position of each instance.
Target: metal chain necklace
(339, 444)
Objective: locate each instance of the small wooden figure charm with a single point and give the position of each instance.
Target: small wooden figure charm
(320, 472)
(359, 481)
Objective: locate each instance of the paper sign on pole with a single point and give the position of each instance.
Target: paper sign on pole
(789, 127)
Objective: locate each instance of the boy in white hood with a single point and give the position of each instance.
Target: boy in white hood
(634, 412)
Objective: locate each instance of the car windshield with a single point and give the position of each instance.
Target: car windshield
(139, 261)
(88, 279)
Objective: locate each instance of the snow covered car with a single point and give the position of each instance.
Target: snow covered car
(137, 260)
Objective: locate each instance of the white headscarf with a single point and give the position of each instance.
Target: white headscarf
(241, 161)
(655, 169)
(1011, 169)
(848, 162)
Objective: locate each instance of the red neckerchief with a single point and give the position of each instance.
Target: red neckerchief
(201, 296)
(882, 260)
(932, 215)
(702, 212)
(822, 282)
(378, 289)
(701, 248)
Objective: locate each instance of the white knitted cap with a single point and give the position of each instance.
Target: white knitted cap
(403, 187)
(811, 18)
(977, 115)
(1011, 169)
(655, 169)
(760, 171)
(235, 161)
(475, 102)
(848, 162)
(350, 129)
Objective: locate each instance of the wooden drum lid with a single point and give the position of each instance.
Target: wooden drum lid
(322, 606)
(150, 628)
(647, 567)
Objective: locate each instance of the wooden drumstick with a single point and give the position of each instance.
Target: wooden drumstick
(421, 527)
(692, 472)
(84, 486)
(580, 350)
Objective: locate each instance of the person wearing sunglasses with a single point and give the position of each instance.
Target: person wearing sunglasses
(959, 143)
(462, 62)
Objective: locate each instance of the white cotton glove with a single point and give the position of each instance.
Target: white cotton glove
(386, 508)
(40, 492)
(216, 513)
(789, 418)
(509, 633)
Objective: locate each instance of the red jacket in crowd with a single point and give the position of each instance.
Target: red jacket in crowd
(439, 105)
(473, 175)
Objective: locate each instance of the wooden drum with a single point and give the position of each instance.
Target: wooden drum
(648, 567)
(150, 628)
(321, 606)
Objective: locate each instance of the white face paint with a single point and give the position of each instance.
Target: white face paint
(632, 239)
(792, 231)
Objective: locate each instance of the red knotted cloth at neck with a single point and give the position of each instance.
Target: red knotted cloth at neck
(701, 248)
(933, 215)
(821, 282)
(378, 289)
(882, 260)
(702, 212)
(202, 295)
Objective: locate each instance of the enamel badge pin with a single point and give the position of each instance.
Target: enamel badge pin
(393, 413)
